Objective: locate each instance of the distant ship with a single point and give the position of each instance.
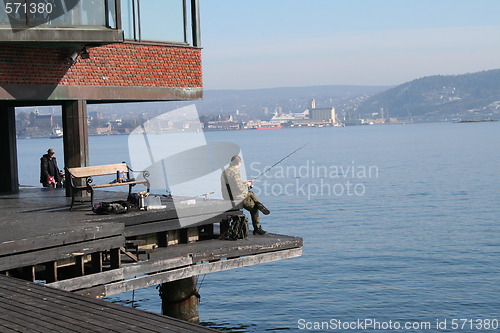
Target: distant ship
(269, 127)
(477, 120)
(284, 117)
(57, 133)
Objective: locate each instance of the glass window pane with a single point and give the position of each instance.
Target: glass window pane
(4, 18)
(162, 20)
(93, 12)
(57, 13)
(111, 14)
(127, 10)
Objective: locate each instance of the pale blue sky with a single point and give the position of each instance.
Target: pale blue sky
(277, 43)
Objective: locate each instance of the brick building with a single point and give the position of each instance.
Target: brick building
(76, 52)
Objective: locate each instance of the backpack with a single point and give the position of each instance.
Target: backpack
(238, 228)
(115, 207)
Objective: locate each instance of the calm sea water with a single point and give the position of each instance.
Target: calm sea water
(400, 224)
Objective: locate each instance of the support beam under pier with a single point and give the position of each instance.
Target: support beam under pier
(179, 299)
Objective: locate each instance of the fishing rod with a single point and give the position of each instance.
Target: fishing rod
(275, 164)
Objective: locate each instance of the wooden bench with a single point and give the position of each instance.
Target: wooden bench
(80, 179)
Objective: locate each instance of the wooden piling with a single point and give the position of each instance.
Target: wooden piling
(180, 299)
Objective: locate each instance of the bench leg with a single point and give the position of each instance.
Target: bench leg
(72, 198)
(91, 197)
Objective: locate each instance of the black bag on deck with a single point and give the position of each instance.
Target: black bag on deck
(238, 228)
(115, 207)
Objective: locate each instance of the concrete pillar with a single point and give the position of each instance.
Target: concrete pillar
(75, 139)
(9, 179)
(180, 299)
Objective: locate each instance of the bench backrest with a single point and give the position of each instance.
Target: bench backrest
(98, 170)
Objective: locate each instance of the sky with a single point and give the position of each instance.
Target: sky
(292, 43)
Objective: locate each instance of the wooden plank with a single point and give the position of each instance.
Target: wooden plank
(81, 309)
(60, 236)
(119, 184)
(128, 254)
(39, 317)
(61, 319)
(176, 256)
(97, 170)
(34, 316)
(135, 182)
(57, 253)
(199, 269)
(210, 208)
(125, 272)
(173, 224)
(219, 249)
(7, 326)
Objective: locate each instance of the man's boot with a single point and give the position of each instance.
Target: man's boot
(263, 208)
(259, 231)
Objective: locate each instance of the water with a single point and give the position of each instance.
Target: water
(412, 235)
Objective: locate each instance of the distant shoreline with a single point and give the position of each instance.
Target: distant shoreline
(296, 127)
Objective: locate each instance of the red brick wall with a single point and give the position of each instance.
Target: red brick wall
(114, 65)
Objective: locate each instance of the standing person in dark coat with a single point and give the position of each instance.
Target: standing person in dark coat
(49, 171)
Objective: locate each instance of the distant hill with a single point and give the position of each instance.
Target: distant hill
(250, 104)
(254, 102)
(467, 96)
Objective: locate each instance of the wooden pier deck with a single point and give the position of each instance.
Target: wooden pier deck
(100, 255)
(29, 307)
(37, 228)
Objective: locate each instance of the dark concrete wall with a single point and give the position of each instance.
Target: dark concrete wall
(9, 180)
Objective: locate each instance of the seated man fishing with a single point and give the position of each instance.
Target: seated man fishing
(233, 188)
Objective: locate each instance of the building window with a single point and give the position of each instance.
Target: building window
(58, 13)
(165, 21)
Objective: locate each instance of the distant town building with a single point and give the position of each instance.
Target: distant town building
(325, 114)
(41, 120)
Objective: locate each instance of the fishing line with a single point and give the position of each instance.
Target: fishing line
(201, 283)
(275, 164)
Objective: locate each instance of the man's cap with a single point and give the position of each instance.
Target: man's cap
(235, 160)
